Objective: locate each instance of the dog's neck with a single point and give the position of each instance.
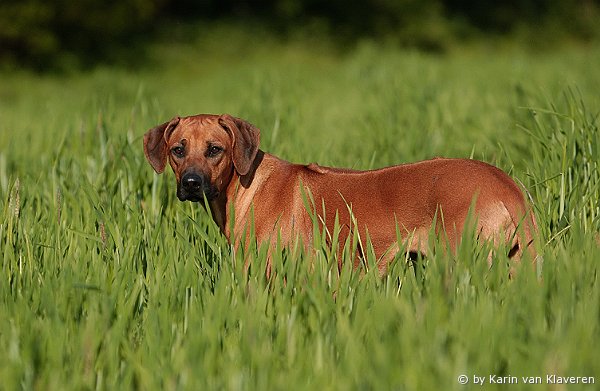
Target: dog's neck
(239, 191)
(218, 209)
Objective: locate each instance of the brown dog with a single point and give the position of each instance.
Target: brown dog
(217, 157)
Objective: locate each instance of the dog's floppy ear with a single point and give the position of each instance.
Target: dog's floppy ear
(155, 144)
(245, 138)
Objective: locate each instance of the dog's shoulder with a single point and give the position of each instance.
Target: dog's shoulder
(318, 169)
(314, 167)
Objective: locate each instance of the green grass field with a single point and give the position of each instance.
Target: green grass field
(107, 281)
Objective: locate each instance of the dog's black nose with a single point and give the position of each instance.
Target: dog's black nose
(192, 183)
(194, 187)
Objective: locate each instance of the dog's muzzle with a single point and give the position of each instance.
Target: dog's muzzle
(193, 187)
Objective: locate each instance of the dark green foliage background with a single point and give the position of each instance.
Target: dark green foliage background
(62, 34)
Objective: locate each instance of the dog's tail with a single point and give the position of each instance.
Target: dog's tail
(526, 227)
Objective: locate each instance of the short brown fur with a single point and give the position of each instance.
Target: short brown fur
(221, 160)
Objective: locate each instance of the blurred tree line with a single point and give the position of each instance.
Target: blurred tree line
(47, 33)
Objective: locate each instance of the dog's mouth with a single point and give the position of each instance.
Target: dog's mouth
(197, 196)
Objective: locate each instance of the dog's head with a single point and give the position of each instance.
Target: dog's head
(204, 152)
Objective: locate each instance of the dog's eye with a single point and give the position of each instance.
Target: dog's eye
(213, 151)
(178, 151)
